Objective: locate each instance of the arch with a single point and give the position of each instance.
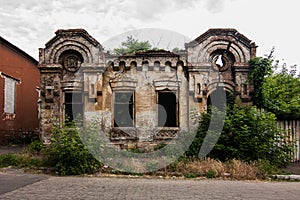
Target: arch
(180, 62)
(57, 50)
(68, 52)
(227, 85)
(133, 64)
(156, 63)
(122, 63)
(168, 63)
(145, 62)
(209, 47)
(221, 99)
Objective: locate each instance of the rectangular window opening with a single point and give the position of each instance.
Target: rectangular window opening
(73, 106)
(124, 109)
(167, 109)
(9, 95)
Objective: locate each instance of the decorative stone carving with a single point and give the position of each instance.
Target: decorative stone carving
(72, 63)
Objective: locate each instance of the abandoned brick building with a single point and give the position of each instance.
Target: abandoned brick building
(19, 94)
(145, 97)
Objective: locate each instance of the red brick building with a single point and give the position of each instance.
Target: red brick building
(19, 85)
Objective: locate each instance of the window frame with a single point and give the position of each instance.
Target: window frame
(10, 104)
(175, 93)
(114, 124)
(66, 104)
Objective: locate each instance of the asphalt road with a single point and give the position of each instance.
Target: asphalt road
(27, 186)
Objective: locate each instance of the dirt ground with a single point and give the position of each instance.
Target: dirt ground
(293, 168)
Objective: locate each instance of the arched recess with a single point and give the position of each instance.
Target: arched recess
(227, 85)
(220, 97)
(168, 63)
(58, 49)
(156, 63)
(236, 50)
(133, 64)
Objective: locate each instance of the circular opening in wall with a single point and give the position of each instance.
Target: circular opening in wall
(222, 60)
(71, 60)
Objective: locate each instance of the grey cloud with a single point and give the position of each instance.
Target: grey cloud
(215, 6)
(147, 10)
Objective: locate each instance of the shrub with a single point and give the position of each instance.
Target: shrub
(35, 147)
(266, 168)
(211, 173)
(7, 160)
(67, 154)
(248, 135)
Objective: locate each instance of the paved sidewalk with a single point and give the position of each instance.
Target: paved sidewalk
(12, 179)
(141, 188)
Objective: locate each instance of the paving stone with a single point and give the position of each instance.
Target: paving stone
(140, 188)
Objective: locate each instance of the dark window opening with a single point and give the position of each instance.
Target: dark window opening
(245, 89)
(167, 109)
(73, 106)
(198, 88)
(123, 109)
(220, 99)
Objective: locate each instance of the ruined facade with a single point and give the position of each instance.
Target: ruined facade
(142, 98)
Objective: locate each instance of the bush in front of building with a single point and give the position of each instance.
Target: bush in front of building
(68, 155)
(248, 135)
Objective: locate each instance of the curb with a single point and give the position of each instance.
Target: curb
(287, 177)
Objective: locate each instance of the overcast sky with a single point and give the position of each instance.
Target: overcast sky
(29, 24)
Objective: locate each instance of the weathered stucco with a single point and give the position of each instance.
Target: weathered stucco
(74, 62)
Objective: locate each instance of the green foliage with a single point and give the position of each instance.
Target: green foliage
(13, 160)
(276, 88)
(175, 50)
(132, 45)
(281, 93)
(248, 135)
(260, 69)
(191, 175)
(68, 155)
(266, 168)
(9, 160)
(211, 173)
(35, 147)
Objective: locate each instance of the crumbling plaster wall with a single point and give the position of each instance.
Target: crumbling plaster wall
(219, 57)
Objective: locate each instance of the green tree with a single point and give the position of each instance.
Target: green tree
(276, 88)
(260, 69)
(281, 94)
(132, 45)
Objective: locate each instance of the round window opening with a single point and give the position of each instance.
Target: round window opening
(221, 61)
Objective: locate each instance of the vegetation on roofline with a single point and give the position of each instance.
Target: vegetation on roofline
(131, 46)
